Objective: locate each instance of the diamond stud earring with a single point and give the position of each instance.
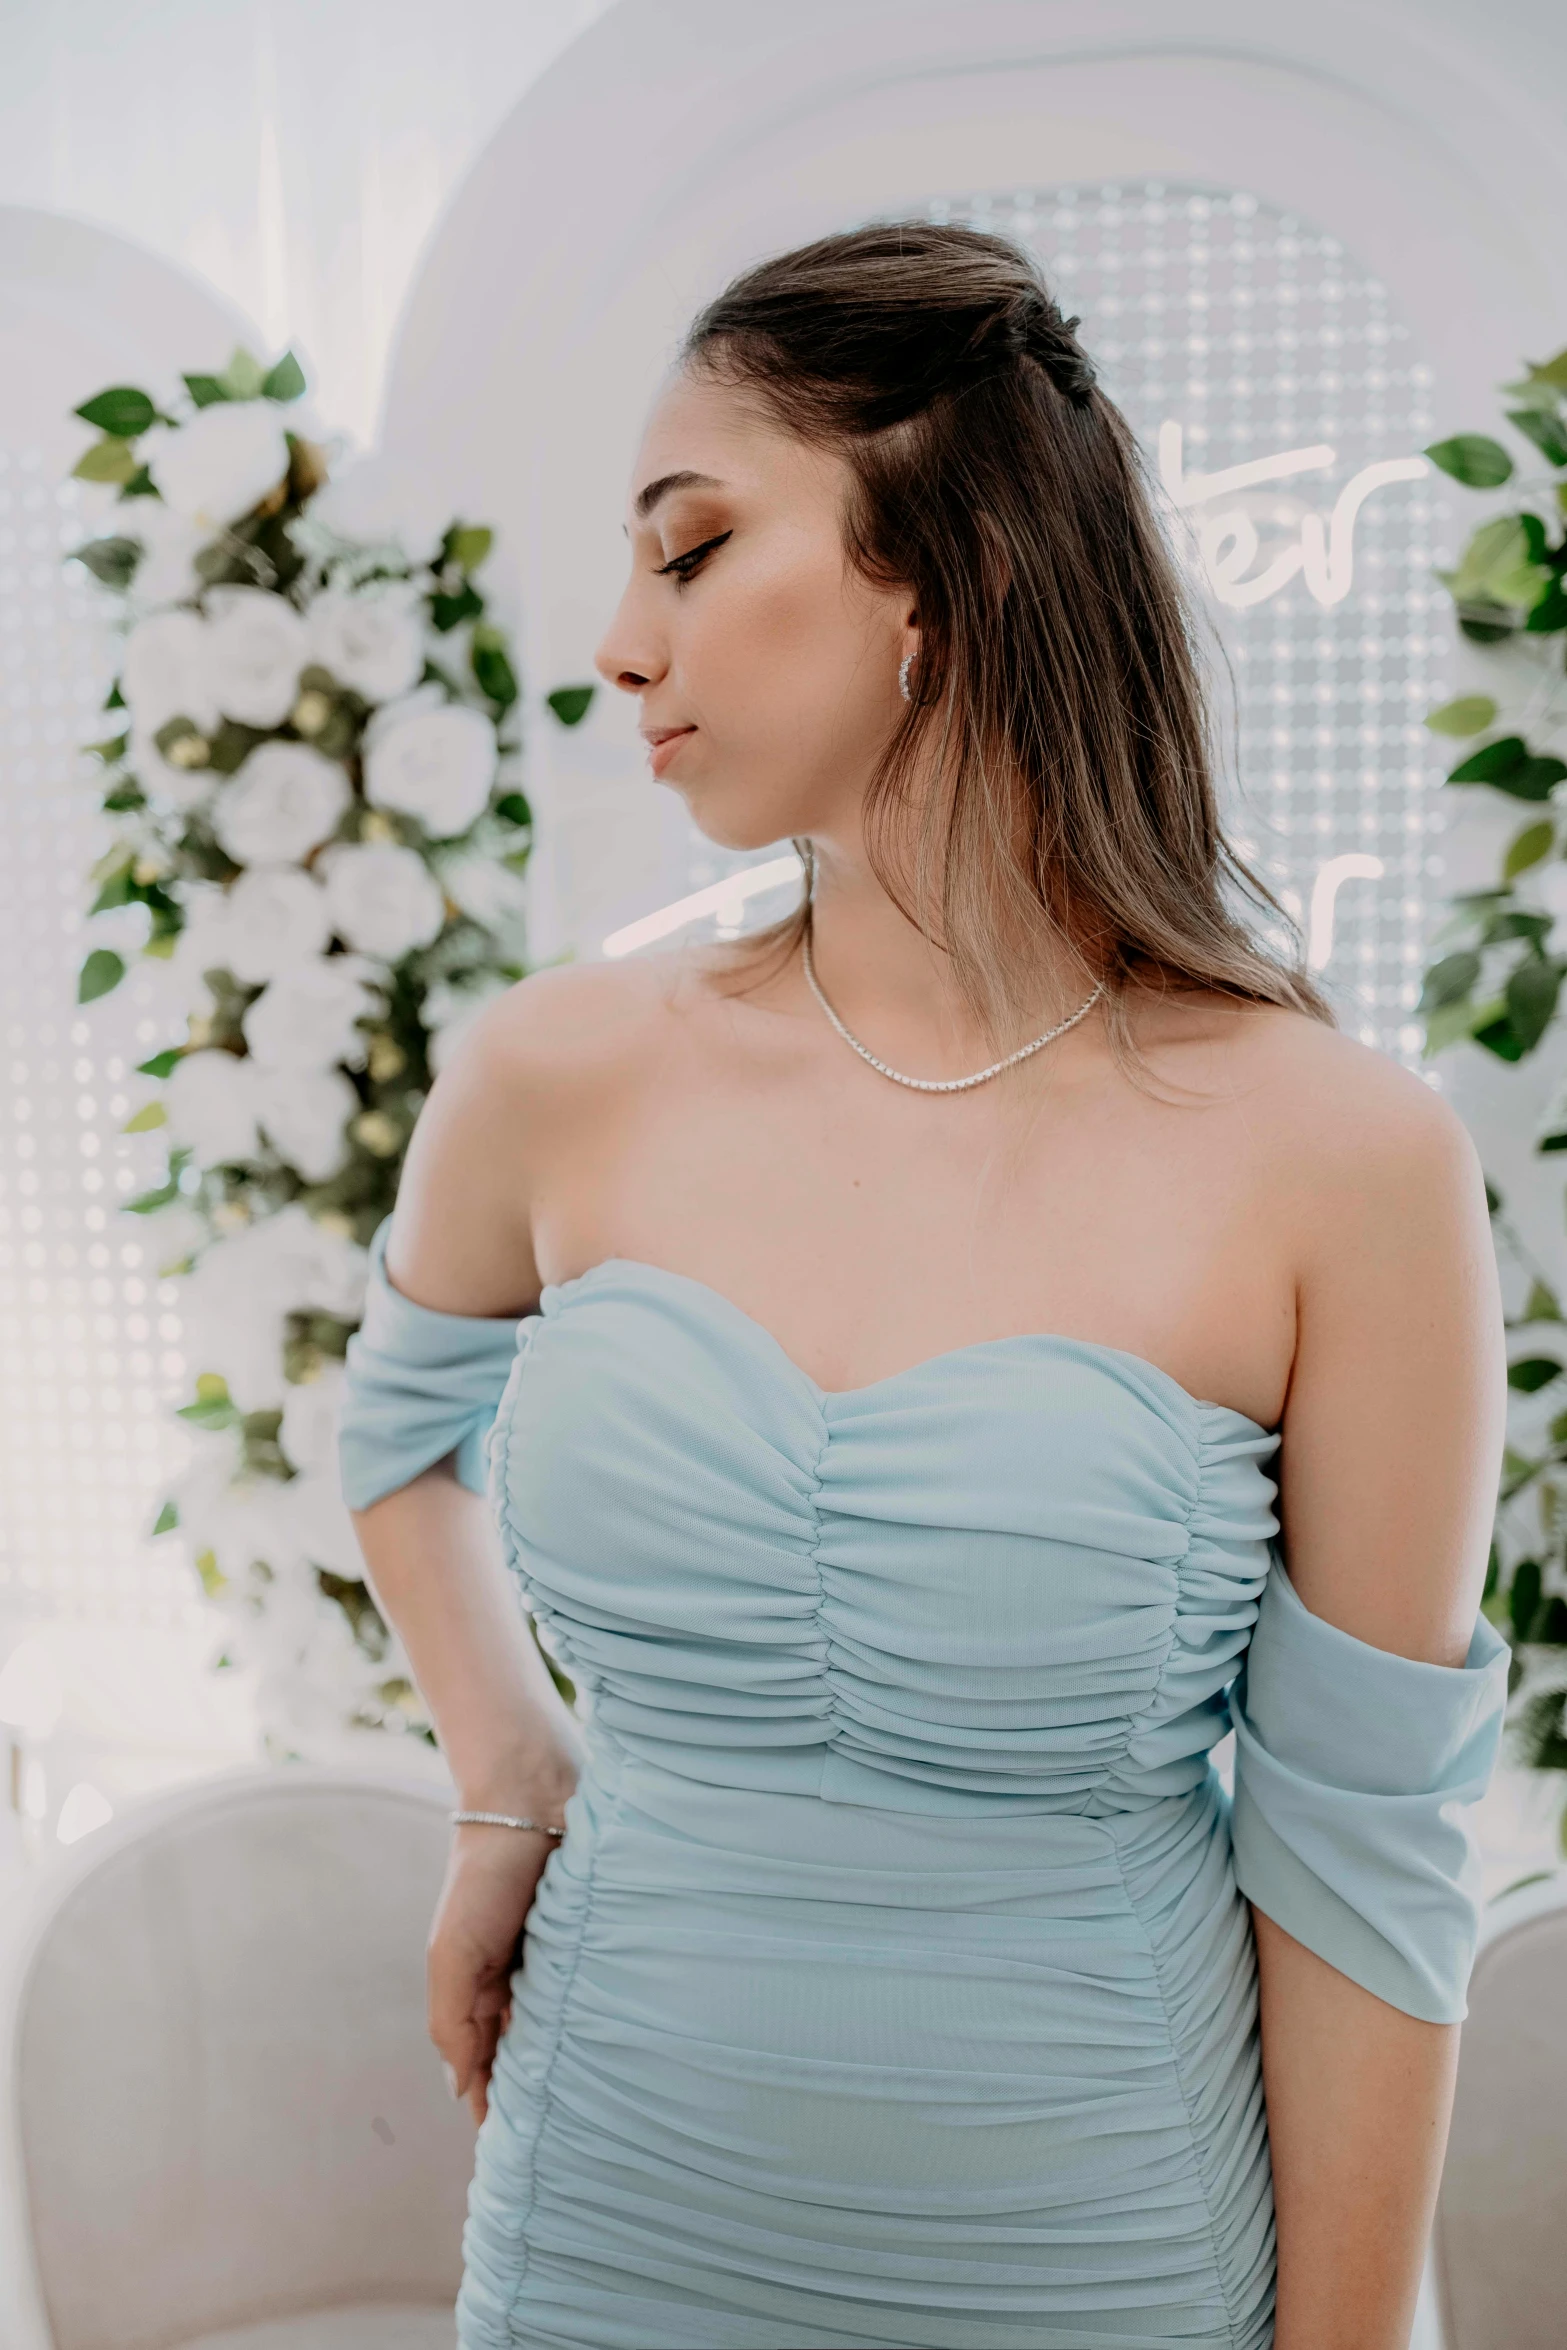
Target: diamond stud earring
(904, 666)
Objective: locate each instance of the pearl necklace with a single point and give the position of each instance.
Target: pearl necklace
(939, 1084)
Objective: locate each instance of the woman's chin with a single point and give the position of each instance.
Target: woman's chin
(728, 823)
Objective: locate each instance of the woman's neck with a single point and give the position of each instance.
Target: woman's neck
(896, 989)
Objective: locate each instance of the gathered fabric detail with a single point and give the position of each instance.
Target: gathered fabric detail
(894, 1984)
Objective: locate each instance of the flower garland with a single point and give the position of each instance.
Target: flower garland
(313, 792)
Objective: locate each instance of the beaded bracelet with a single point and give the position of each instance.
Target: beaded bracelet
(502, 1819)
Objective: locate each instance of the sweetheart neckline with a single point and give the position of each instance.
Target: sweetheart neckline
(1089, 1346)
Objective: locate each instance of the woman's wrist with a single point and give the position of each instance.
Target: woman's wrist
(535, 1786)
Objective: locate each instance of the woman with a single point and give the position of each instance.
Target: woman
(884, 1345)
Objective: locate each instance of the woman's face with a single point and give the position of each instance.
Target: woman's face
(765, 664)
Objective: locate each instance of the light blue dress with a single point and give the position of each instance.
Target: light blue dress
(893, 1985)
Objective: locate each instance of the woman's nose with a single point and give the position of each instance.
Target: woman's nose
(626, 656)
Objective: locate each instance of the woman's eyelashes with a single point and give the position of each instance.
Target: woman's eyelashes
(685, 566)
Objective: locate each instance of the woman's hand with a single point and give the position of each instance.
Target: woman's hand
(492, 1875)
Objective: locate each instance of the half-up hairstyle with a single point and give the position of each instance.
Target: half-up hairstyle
(1058, 687)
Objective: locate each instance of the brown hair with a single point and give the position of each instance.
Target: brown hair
(1058, 685)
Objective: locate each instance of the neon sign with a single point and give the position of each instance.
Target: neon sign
(1227, 539)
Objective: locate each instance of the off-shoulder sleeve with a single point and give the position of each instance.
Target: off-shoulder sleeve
(1353, 1770)
(420, 1384)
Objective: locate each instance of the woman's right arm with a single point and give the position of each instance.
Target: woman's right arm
(459, 1244)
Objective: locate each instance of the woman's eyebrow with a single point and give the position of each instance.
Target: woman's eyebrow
(648, 498)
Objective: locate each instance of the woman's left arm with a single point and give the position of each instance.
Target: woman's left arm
(1392, 1442)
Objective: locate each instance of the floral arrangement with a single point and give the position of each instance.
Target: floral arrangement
(311, 790)
(1497, 979)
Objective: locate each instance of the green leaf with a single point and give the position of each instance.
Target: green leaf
(1529, 847)
(111, 751)
(492, 667)
(107, 460)
(244, 375)
(447, 611)
(1474, 459)
(1550, 613)
(1535, 1877)
(205, 390)
(1516, 922)
(1523, 1596)
(1532, 991)
(1452, 1022)
(514, 808)
(1449, 981)
(1479, 632)
(140, 485)
(1470, 714)
(216, 1414)
(571, 703)
(1489, 765)
(162, 1064)
(117, 890)
(122, 411)
(126, 796)
(1536, 779)
(1550, 371)
(1508, 766)
(284, 380)
(167, 1518)
(1544, 430)
(467, 545)
(102, 970)
(1497, 546)
(1542, 1304)
(147, 1203)
(1533, 1372)
(113, 561)
(150, 1115)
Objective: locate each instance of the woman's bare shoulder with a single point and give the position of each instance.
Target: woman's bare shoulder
(535, 1071)
(1354, 1139)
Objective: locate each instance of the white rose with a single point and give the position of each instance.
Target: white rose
(170, 1234)
(321, 1525)
(237, 1517)
(164, 672)
(169, 542)
(237, 1299)
(305, 1019)
(304, 1113)
(221, 464)
(210, 1101)
(372, 642)
(435, 762)
(285, 799)
(376, 502)
(273, 917)
(311, 1409)
(256, 646)
(485, 889)
(384, 899)
(182, 787)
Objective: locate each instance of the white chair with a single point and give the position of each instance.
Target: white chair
(1501, 2227)
(222, 2124)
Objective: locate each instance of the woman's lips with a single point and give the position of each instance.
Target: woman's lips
(662, 747)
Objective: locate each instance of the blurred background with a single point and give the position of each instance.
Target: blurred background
(1306, 247)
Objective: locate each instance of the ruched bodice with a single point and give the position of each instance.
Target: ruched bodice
(1019, 1575)
(894, 1984)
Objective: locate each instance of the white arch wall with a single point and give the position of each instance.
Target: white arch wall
(675, 141)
